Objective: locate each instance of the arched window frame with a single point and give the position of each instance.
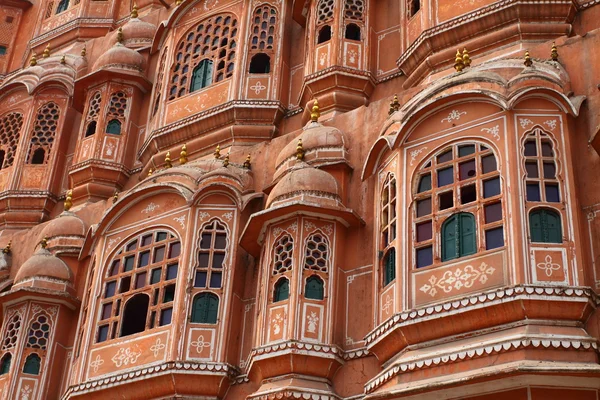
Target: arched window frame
(208, 275)
(459, 236)
(354, 15)
(317, 260)
(260, 63)
(32, 364)
(412, 8)
(10, 130)
(324, 34)
(63, 5)
(388, 210)
(13, 323)
(153, 270)
(308, 291)
(204, 77)
(281, 289)
(5, 363)
(282, 262)
(264, 35)
(208, 316)
(480, 194)
(44, 135)
(116, 113)
(545, 236)
(159, 83)
(93, 112)
(542, 169)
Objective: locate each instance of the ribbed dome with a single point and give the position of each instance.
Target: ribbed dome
(43, 264)
(120, 57)
(136, 30)
(305, 180)
(315, 136)
(66, 224)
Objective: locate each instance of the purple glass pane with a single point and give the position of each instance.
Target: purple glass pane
(494, 238)
(175, 250)
(424, 257)
(172, 271)
(445, 176)
(552, 193)
(532, 169)
(165, 316)
(493, 212)
(549, 170)
(215, 280)
(106, 310)
(159, 254)
(200, 280)
(491, 187)
(533, 192)
(466, 170)
(446, 156)
(140, 280)
(488, 164)
(424, 231)
(530, 149)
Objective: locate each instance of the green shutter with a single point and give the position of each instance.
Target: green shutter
(282, 290)
(545, 226)
(113, 127)
(389, 267)
(5, 366)
(213, 309)
(202, 75)
(205, 308)
(467, 235)
(554, 229)
(314, 288)
(32, 364)
(535, 226)
(449, 239)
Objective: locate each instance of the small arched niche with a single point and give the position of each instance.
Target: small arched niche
(352, 32)
(260, 64)
(134, 315)
(324, 34)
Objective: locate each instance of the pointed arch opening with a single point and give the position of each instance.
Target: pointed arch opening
(38, 156)
(5, 364)
(134, 314)
(281, 291)
(32, 364)
(91, 129)
(260, 64)
(314, 288)
(352, 32)
(113, 127)
(324, 34)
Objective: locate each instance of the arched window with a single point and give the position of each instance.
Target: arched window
(211, 256)
(91, 129)
(10, 128)
(542, 184)
(458, 236)
(44, 132)
(32, 364)
(282, 255)
(11, 332)
(205, 308)
(388, 211)
(413, 7)
(113, 127)
(314, 288)
(389, 266)
(317, 253)
(324, 34)
(545, 226)
(202, 75)
(147, 264)
(39, 333)
(63, 5)
(212, 39)
(352, 32)
(92, 114)
(260, 64)
(134, 314)
(282, 290)
(5, 364)
(463, 177)
(264, 25)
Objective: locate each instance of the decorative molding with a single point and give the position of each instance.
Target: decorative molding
(525, 122)
(454, 115)
(415, 153)
(150, 207)
(548, 266)
(551, 124)
(494, 131)
(180, 220)
(460, 278)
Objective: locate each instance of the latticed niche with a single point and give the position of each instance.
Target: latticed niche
(10, 127)
(316, 258)
(206, 54)
(282, 264)
(459, 187)
(388, 217)
(138, 291)
(262, 39)
(11, 332)
(44, 133)
(325, 12)
(116, 113)
(39, 332)
(91, 119)
(353, 18)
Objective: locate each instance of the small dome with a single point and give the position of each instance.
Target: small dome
(306, 181)
(120, 57)
(315, 136)
(66, 224)
(43, 264)
(137, 31)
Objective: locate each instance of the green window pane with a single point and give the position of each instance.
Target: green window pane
(545, 226)
(205, 308)
(5, 364)
(32, 364)
(389, 271)
(202, 75)
(459, 236)
(467, 234)
(314, 288)
(449, 239)
(282, 290)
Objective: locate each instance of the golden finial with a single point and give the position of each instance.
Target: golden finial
(44, 243)
(183, 155)
(247, 164)
(466, 58)
(314, 113)
(178, 2)
(115, 197)
(394, 105)
(458, 62)
(528, 62)
(299, 150)
(554, 52)
(217, 152)
(134, 11)
(33, 60)
(168, 160)
(63, 60)
(68, 200)
(83, 51)
(226, 160)
(150, 172)
(6, 250)
(46, 52)
(120, 35)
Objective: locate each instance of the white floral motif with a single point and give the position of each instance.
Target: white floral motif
(460, 278)
(157, 347)
(309, 226)
(210, 4)
(454, 115)
(277, 231)
(352, 56)
(293, 227)
(494, 131)
(551, 123)
(150, 207)
(200, 344)
(313, 322)
(415, 153)
(388, 304)
(26, 392)
(258, 87)
(548, 266)
(180, 220)
(203, 215)
(96, 363)
(228, 216)
(126, 356)
(277, 323)
(328, 229)
(322, 59)
(112, 241)
(525, 122)
(110, 147)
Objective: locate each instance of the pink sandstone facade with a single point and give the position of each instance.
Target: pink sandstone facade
(300, 199)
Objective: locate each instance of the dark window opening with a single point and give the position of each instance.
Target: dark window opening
(91, 129)
(63, 5)
(202, 75)
(314, 288)
(32, 364)
(2, 50)
(282, 290)
(205, 308)
(134, 315)
(389, 267)
(5, 364)
(415, 6)
(39, 156)
(113, 127)
(324, 34)
(2, 155)
(260, 64)
(352, 32)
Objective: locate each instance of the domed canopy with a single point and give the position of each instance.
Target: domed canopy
(120, 57)
(43, 264)
(136, 31)
(66, 224)
(307, 184)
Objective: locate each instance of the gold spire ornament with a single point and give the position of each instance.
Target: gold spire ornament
(217, 152)
(178, 2)
(63, 60)
(120, 35)
(247, 163)
(33, 60)
(134, 11)
(6, 250)
(394, 105)
(44, 243)
(226, 160)
(466, 58)
(168, 160)
(528, 62)
(46, 52)
(299, 150)
(183, 159)
(458, 62)
(315, 114)
(68, 200)
(84, 51)
(115, 197)
(554, 52)
(150, 171)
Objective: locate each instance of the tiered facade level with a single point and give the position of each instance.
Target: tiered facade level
(299, 199)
